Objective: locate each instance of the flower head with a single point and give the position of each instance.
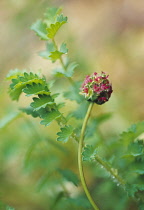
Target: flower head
(97, 88)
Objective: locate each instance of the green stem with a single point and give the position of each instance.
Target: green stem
(110, 170)
(83, 182)
(62, 62)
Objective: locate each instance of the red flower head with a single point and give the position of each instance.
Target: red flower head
(97, 88)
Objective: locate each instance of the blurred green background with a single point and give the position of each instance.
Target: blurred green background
(105, 35)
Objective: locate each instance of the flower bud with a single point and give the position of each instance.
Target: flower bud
(97, 88)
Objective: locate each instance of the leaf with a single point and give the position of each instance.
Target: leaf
(60, 105)
(69, 176)
(8, 119)
(51, 14)
(59, 72)
(55, 55)
(41, 102)
(53, 29)
(55, 95)
(73, 93)
(70, 69)
(65, 133)
(35, 89)
(46, 53)
(49, 117)
(89, 153)
(19, 83)
(61, 18)
(14, 73)
(40, 29)
(132, 134)
(80, 202)
(63, 48)
(81, 110)
(29, 111)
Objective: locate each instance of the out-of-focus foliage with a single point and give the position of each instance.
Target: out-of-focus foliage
(38, 172)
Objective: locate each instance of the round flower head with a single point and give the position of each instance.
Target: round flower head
(97, 88)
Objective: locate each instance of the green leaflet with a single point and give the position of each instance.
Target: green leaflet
(14, 73)
(60, 72)
(51, 14)
(63, 48)
(30, 111)
(55, 55)
(70, 69)
(49, 117)
(53, 28)
(20, 82)
(39, 28)
(42, 102)
(81, 110)
(35, 89)
(69, 176)
(73, 93)
(89, 153)
(46, 53)
(65, 133)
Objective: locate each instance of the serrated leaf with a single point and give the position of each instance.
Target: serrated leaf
(59, 72)
(19, 83)
(63, 48)
(61, 18)
(133, 132)
(65, 133)
(55, 95)
(89, 153)
(60, 105)
(55, 55)
(80, 202)
(49, 117)
(35, 89)
(14, 73)
(46, 53)
(81, 110)
(53, 29)
(69, 176)
(70, 69)
(51, 14)
(40, 29)
(73, 93)
(29, 111)
(41, 102)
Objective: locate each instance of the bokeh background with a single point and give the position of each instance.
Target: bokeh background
(105, 35)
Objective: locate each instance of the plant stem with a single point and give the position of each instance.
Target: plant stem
(83, 182)
(110, 170)
(62, 62)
